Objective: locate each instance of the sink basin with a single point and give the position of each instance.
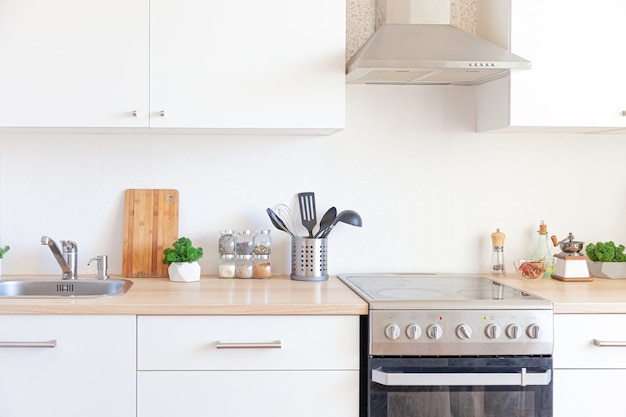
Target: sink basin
(61, 288)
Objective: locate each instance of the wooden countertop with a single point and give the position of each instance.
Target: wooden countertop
(598, 296)
(278, 295)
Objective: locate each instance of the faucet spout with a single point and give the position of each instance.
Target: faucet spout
(66, 260)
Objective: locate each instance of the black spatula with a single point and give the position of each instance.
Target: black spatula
(307, 211)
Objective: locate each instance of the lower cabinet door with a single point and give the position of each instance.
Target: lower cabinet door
(67, 366)
(589, 392)
(247, 393)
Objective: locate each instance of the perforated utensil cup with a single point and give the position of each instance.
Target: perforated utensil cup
(309, 259)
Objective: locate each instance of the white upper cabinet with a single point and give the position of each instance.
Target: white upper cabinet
(248, 64)
(73, 63)
(275, 66)
(576, 83)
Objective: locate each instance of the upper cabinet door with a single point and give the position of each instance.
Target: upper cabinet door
(577, 79)
(275, 65)
(74, 63)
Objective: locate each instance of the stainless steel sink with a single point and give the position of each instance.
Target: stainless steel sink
(61, 288)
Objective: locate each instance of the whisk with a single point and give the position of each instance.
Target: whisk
(284, 212)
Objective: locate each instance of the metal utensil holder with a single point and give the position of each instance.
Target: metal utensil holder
(308, 259)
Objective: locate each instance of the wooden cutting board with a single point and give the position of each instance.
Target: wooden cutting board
(150, 225)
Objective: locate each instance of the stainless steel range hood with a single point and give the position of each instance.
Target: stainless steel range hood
(415, 45)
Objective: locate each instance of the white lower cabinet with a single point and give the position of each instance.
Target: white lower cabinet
(70, 366)
(240, 366)
(589, 380)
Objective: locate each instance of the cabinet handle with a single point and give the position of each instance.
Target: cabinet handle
(44, 344)
(276, 344)
(162, 113)
(133, 113)
(607, 343)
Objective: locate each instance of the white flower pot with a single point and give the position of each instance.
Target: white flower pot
(184, 271)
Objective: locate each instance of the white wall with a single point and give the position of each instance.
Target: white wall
(429, 189)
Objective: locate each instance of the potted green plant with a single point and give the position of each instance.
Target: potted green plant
(2, 252)
(606, 260)
(182, 260)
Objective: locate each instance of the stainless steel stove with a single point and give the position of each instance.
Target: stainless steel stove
(432, 315)
(453, 345)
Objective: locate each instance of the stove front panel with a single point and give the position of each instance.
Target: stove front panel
(460, 332)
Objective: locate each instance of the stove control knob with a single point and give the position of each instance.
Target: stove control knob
(464, 331)
(513, 331)
(434, 331)
(392, 331)
(493, 331)
(534, 331)
(413, 331)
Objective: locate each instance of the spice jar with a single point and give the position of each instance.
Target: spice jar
(262, 266)
(226, 266)
(262, 242)
(226, 242)
(243, 242)
(243, 266)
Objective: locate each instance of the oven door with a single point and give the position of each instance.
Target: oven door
(460, 387)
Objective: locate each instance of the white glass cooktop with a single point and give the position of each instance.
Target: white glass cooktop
(415, 291)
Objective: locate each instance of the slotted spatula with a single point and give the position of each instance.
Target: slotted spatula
(307, 211)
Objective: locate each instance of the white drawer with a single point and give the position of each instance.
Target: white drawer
(247, 342)
(574, 336)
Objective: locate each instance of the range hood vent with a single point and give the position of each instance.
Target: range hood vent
(428, 53)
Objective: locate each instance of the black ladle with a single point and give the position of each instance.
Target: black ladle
(346, 216)
(327, 219)
(277, 222)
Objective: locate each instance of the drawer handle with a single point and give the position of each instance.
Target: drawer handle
(276, 344)
(607, 343)
(45, 344)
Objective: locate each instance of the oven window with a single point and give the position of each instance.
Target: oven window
(485, 387)
(461, 402)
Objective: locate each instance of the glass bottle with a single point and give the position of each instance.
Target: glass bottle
(497, 257)
(542, 251)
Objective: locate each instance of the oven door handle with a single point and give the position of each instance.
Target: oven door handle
(521, 378)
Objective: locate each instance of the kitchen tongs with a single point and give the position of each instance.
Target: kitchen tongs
(307, 211)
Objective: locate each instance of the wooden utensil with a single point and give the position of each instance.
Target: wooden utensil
(150, 225)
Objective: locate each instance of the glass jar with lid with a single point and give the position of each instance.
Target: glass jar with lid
(262, 243)
(226, 266)
(243, 266)
(244, 242)
(262, 267)
(226, 242)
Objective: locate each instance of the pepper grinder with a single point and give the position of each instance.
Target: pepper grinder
(497, 256)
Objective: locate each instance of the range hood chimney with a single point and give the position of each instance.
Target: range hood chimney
(416, 44)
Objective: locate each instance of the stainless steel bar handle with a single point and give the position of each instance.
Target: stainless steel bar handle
(276, 344)
(609, 343)
(521, 378)
(44, 344)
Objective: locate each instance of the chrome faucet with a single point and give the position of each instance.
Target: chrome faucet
(68, 259)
